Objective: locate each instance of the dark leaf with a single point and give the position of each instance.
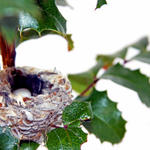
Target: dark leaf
(51, 22)
(141, 44)
(100, 3)
(62, 3)
(130, 79)
(107, 123)
(82, 80)
(14, 7)
(66, 139)
(108, 59)
(77, 111)
(7, 140)
(144, 57)
(8, 27)
(28, 145)
(9, 13)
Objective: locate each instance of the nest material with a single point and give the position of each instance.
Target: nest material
(30, 118)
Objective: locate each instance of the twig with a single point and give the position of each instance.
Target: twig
(90, 86)
(97, 79)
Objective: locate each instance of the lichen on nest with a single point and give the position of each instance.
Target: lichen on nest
(30, 118)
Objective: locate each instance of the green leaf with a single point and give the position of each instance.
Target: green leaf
(51, 22)
(100, 3)
(141, 44)
(77, 111)
(14, 7)
(28, 145)
(108, 59)
(107, 123)
(82, 80)
(66, 139)
(62, 3)
(144, 57)
(7, 140)
(8, 27)
(9, 12)
(130, 79)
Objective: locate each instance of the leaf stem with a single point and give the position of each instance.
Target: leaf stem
(97, 79)
(8, 53)
(90, 86)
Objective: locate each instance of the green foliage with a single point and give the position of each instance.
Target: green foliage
(108, 59)
(28, 145)
(107, 123)
(130, 79)
(8, 26)
(80, 81)
(77, 111)
(144, 57)
(62, 3)
(100, 3)
(21, 20)
(9, 12)
(13, 8)
(7, 140)
(51, 22)
(33, 19)
(67, 139)
(141, 44)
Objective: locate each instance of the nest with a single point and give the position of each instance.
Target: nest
(30, 118)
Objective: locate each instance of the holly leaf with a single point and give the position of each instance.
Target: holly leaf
(109, 59)
(100, 3)
(13, 8)
(51, 22)
(28, 145)
(76, 112)
(9, 12)
(66, 139)
(8, 26)
(141, 44)
(63, 3)
(107, 123)
(81, 81)
(131, 79)
(7, 140)
(144, 57)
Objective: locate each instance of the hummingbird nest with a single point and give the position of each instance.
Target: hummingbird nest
(30, 118)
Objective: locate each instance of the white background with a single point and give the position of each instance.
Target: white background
(105, 30)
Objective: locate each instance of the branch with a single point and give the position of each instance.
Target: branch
(97, 79)
(90, 86)
(8, 53)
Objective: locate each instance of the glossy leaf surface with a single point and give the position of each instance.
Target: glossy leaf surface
(66, 139)
(107, 123)
(130, 79)
(77, 111)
